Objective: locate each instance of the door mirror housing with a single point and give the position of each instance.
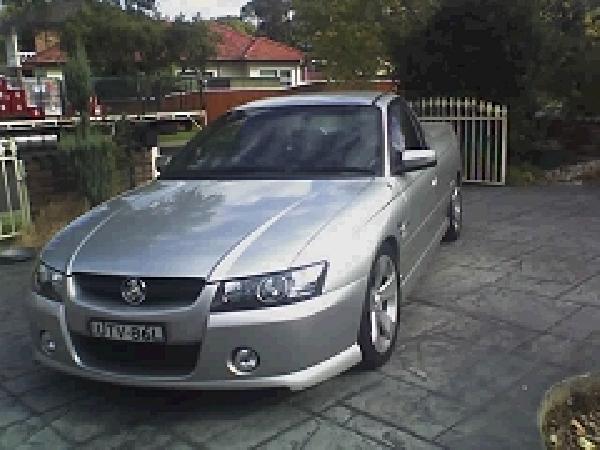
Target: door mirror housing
(411, 160)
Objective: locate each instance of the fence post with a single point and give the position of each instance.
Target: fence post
(504, 142)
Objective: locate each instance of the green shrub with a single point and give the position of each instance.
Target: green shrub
(524, 175)
(92, 157)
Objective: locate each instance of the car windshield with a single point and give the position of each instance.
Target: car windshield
(285, 142)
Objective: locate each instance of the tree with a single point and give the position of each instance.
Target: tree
(347, 34)
(25, 15)
(92, 157)
(237, 24)
(571, 57)
(2, 53)
(134, 43)
(92, 154)
(188, 44)
(274, 18)
(145, 6)
(486, 48)
(592, 24)
(78, 80)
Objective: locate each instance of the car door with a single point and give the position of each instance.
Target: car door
(418, 190)
(439, 176)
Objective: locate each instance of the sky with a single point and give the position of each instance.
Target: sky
(208, 8)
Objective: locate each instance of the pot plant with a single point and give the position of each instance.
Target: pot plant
(569, 416)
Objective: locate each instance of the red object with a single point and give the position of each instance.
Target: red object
(4, 109)
(17, 102)
(50, 56)
(13, 103)
(96, 109)
(236, 46)
(18, 94)
(34, 112)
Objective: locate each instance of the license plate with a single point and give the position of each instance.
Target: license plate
(127, 332)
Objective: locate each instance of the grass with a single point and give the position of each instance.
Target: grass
(6, 222)
(180, 137)
(51, 219)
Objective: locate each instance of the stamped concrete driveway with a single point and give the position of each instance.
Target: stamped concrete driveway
(503, 314)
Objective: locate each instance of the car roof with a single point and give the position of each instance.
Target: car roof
(360, 98)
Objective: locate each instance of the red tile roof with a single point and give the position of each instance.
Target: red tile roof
(50, 56)
(233, 45)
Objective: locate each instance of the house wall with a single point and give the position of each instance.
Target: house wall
(253, 69)
(48, 72)
(228, 69)
(46, 39)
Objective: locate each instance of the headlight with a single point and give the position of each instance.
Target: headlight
(276, 289)
(49, 282)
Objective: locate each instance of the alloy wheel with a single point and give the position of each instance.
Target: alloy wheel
(456, 209)
(384, 304)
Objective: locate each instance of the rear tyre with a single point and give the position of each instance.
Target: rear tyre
(455, 212)
(379, 321)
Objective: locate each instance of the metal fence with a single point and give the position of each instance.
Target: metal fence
(14, 202)
(482, 131)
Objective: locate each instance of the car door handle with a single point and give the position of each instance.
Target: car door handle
(434, 182)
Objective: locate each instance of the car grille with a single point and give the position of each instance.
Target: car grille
(106, 290)
(137, 358)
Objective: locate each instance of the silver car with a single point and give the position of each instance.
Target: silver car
(273, 251)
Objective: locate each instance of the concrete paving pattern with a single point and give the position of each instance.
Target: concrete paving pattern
(510, 309)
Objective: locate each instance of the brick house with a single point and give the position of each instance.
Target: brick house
(241, 56)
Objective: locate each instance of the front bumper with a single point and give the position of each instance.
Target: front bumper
(299, 345)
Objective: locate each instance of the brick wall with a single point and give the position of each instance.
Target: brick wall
(142, 167)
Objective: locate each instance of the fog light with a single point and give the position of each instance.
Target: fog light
(48, 342)
(243, 361)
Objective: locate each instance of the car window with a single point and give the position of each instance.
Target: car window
(289, 141)
(402, 131)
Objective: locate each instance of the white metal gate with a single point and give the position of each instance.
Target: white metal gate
(482, 131)
(14, 202)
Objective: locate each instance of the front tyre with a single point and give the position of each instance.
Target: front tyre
(455, 215)
(379, 321)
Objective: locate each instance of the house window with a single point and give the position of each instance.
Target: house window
(286, 77)
(268, 73)
(209, 74)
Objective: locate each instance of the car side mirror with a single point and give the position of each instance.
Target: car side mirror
(411, 160)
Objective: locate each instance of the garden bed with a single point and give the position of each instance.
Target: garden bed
(570, 414)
